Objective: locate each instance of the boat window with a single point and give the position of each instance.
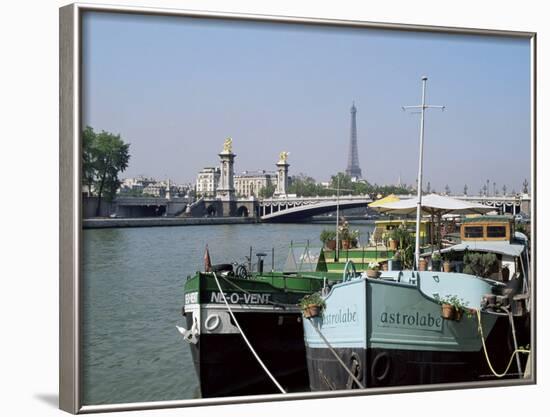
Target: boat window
(496, 231)
(473, 231)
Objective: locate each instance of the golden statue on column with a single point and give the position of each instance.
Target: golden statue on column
(228, 145)
(283, 156)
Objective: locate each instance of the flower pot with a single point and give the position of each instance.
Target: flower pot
(458, 314)
(393, 244)
(331, 244)
(373, 273)
(436, 265)
(312, 310)
(448, 311)
(346, 244)
(422, 264)
(447, 266)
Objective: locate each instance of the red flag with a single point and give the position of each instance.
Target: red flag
(207, 262)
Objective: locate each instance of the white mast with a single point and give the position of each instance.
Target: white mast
(338, 219)
(422, 108)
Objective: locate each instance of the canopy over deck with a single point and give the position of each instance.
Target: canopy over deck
(433, 204)
(392, 198)
(499, 247)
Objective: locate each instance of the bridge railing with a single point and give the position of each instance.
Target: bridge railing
(316, 199)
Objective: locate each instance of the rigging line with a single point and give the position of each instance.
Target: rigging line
(513, 326)
(336, 355)
(495, 373)
(246, 339)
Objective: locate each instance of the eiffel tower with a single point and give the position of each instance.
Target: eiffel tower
(353, 169)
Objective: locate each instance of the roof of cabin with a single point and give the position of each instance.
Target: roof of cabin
(500, 247)
(486, 219)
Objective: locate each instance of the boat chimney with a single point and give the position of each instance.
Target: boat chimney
(261, 262)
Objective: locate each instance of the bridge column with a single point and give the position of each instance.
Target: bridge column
(226, 190)
(525, 204)
(282, 175)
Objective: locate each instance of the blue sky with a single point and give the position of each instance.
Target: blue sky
(176, 87)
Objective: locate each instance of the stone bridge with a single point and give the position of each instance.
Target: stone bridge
(511, 204)
(296, 208)
(286, 208)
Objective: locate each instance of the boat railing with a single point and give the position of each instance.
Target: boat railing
(302, 257)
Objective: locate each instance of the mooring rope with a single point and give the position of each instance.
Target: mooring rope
(513, 327)
(514, 353)
(246, 339)
(336, 355)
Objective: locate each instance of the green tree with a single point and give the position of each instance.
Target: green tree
(88, 169)
(343, 182)
(105, 155)
(267, 191)
(305, 186)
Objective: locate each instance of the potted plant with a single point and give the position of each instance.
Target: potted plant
(396, 261)
(447, 266)
(353, 237)
(328, 237)
(422, 264)
(452, 307)
(402, 236)
(394, 239)
(344, 234)
(447, 311)
(480, 264)
(373, 270)
(312, 305)
(436, 261)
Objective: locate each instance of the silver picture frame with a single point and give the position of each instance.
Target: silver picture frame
(70, 219)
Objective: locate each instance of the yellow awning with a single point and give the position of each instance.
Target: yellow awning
(392, 198)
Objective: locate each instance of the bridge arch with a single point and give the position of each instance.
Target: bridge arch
(242, 211)
(298, 212)
(211, 210)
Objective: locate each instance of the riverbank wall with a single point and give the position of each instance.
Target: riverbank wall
(105, 223)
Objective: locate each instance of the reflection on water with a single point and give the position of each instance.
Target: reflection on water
(132, 288)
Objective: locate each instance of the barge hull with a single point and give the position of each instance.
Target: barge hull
(226, 366)
(376, 367)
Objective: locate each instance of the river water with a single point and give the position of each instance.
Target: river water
(132, 288)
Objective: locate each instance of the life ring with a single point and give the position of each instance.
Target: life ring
(241, 272)
(212, 326)
(380, 368)
(356, 370)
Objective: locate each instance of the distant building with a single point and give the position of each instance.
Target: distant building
(249, 183)
(207, 181)
(244, 185)
(156, 189)
(135, 184)
(151, 187)
(353, 170)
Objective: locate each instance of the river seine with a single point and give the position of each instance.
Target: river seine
(132, 294)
